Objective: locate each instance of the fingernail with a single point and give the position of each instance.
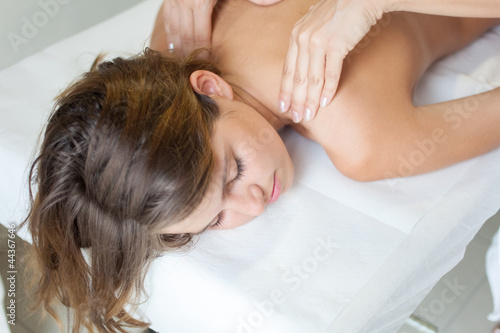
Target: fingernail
(324, 101)
(282, 106)
(295, 117)
(497, 330)
(308, 115)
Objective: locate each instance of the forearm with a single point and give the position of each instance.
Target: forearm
(459, 8)
(450, 132)
(472, 123)
(438, 136)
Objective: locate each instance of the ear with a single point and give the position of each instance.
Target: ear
(208, 83)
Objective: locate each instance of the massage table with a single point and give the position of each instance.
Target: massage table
(332, 255)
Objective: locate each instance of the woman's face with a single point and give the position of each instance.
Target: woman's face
(252, 167)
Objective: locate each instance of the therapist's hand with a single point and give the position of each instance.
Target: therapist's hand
(319, 43)
(188, 24)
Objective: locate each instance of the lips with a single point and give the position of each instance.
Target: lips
(276, 190)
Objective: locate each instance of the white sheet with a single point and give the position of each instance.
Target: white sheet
(331, 255)
(493, 273)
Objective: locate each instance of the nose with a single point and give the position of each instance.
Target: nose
(249, 202)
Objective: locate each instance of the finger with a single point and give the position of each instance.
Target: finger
(186, 29)
(172, 28)
(299, 93)
(333, 70)
(203, 27)
(315, 78)
(287, 77)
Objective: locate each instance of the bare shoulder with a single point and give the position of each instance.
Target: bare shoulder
(373, 107)
(379, 73)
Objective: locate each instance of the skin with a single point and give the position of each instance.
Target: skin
(372, 124)
(319, 43)
(188, 23)
(242, 133)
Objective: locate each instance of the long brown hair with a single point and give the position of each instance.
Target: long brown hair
(125, 152)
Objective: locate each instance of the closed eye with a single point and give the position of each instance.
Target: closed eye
(241, 169)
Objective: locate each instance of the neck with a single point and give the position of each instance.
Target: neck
(278, 121)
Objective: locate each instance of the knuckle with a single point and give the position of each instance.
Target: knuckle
(202, 39)
(186, 38)
(303, 38)
(328, 91)
(165, 14)
(172, 29)
(287, 71)
(313, 80)
(331, 75)
(316, 41)
(298, 79)
(295, 32)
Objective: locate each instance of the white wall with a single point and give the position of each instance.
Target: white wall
(28, 26)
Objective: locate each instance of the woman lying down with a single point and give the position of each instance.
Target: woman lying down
(141, 154)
